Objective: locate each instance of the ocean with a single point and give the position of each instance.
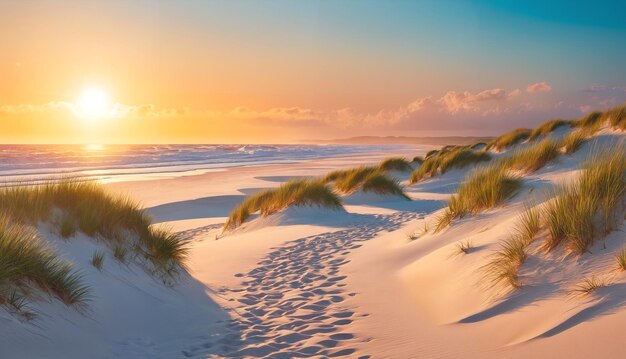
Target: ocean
(30, 164)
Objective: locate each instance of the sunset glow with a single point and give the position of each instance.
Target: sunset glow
(221, 72)
(93, 104)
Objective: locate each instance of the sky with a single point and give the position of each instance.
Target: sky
(260, 71)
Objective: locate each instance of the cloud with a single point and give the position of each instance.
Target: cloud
(116, 110)
(539, 87)
(457, 101)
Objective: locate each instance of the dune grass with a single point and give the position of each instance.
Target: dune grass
(418, 160)
(509, 139)
(533, 157)
(573, 141)
(28, 265)
(482, 189)
(464, 247)
(85, 206)
(504, 264)
(587, 286)
(617, 117)
(431, 153)
(528, 224)
(620, 257)
(300, 192)
(590, 207)
(395, 164)
(365, 178)
(97, 259)
(447, 160)
(478, 146)
(593, 119)
(547, 128)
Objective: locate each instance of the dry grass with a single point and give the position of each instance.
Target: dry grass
(395, 164)
(367, 179)
(547, 128)
(621, 259)
(573, 141)
(528, 224)
(482, 189)
(588, 286)
(87, 207)
(504, 264)
(28, 265)
(509, 139)
(349, 181)
(381, 184)
(464, 247)
(447, 160)
(431, 153)
(302, 192)
(616, 117)
(591, 120)
(533, 157)
(97, 259)
(590, 207)
(418, 160)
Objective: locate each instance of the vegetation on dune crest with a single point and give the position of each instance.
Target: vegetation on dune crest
(617, 117)
(28, 264)
(590, 120)
(85, 206)
(395, 164)
(547, 128)
(380, 184)
(367, 179)
(573, 141)
(482, 189)
(590, 207)
(509, 139)
(534, 157)
(418, 160)
(447, 160)
(301, 192)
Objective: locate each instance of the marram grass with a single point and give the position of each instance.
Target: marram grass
(85, 206)
(590, 207)
(509, 139)
(302, 192)
(28, 264)
(395, 164)
(447, 160)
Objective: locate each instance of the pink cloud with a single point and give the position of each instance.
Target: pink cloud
(538, 87)
(584, 108)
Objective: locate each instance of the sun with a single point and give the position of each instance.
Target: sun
(93, 104)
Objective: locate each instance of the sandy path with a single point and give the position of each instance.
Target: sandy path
(292, 303)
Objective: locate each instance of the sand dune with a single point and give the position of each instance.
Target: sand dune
(309, 282)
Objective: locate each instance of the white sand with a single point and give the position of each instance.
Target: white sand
(311, 282)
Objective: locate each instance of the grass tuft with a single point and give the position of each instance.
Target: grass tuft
(573, 141)
(588, 286)
(87, 207)
(464, 247)
(590, 207)
(447, 160)
(97, 259)
(509, 139)
(67, 228)
(395, 164)
(617, 117)
(28, 263)
(547, 128)
(534, 157)
(482, 189)
(418, 160)
(301, 192)
(504, 264)
(621, 259)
